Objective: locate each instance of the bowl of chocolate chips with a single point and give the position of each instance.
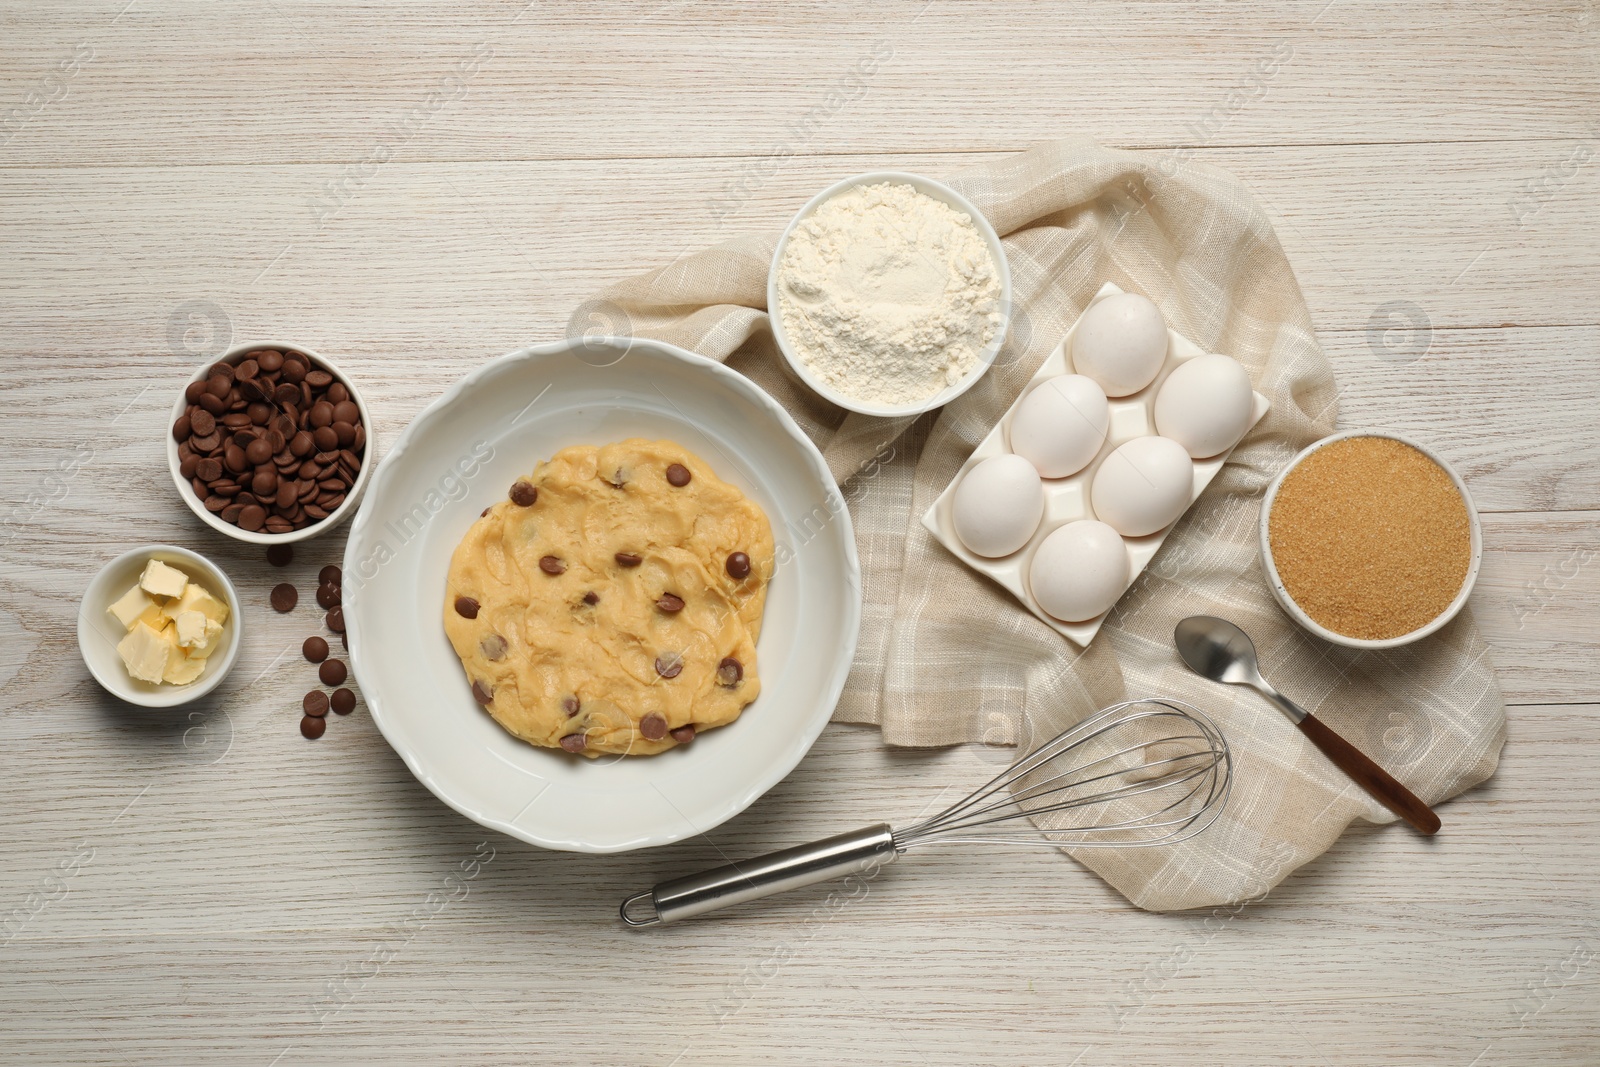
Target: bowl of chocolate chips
(270, 444)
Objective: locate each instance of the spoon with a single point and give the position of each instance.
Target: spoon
(1217, 649)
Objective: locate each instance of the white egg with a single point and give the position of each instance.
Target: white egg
(1121, 343)
(1205, 405)
(998, 505)
(1079, 571)
(1143, 486)
(1060, 426)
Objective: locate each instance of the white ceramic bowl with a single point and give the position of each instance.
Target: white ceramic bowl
(463, 453)
(99, 632)
(938, 191)
(352, 497)
(1298, 614)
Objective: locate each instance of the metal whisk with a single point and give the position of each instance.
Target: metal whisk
(1139, 773)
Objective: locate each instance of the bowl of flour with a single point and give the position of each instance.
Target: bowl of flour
(889, 294)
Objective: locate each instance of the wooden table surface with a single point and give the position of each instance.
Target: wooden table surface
(413, 188)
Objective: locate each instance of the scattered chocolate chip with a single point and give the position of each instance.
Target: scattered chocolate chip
(570, 705)
(553, 565)
(482, 692)
(466, 607)
(493, 646)
(738, 566)
(315, 649)
(653, 727)
(312, 727)
(669, 604)
(524, 493)
(315, 703)
(730, 672)
(335, 620)
(328, 596)
(284, 597)
(330, 575)
(591, 598)
(678, 475)
(669, 664)
(617, 478)
(683, 734)
(628, 559)
(343, 701)
(280, 555)
(574, 742)
(333, 672)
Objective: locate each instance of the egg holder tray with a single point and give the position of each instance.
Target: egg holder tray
(1067, 499)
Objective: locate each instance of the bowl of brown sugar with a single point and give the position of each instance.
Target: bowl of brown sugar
(1370, 540)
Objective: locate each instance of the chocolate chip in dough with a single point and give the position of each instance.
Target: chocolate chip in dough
(730, 672)
(628, 559)
(678, 475)
(482, 692)
(466, 607)
(669, 604)
(570, 705)
(653, 727)
(315, 703)
(669, 664)
(284, 597)
(574, 743)
(328, 596)
(280, 555)
(553, 565)
(524, 493)
(493, 646)
(335, 620)
(312, 728)
(330, 575)
(738, 566)
(315, 649)
(333, 672)
(591, 598)
(343, 701)
(683, 734)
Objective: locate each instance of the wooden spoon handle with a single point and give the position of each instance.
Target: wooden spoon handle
(1369, 776)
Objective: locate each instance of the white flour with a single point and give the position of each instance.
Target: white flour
(888, 295)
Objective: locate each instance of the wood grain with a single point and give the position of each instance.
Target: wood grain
(1429, 168)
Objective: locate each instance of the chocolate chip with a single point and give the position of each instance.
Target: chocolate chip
(251, 517)
(524, 493)
(683, 734)
(312, 728)
(678, 475)
(325, 438)
(653, 727)
(192, 391)
(343, 701)
(328, 596)
(280, 555)
(333, 672)
(591, 598)
(315, 703)
(730, 672)
(269, 360)
(202, 423)
(628, 559)
(258, 451)
(335, 620)
(574, 742)
(284, 597)
(552, 565)
(669, 664)
(570, 705)
(182, 429)
(330, 575)
(493, 646)
(738, 566)
(321, 414)
(466, 607)
(319, 379)
(315, 649)
(617, 478)
(483, 513)
(482, 692)
(669, 604)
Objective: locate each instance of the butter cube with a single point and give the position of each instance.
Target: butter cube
(213, 638)
(195, 598)
(191, 629)
(182, 670)
(147, 651)
(135, 606)
(159, 579)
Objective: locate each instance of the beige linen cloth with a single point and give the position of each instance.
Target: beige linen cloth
(947, 656)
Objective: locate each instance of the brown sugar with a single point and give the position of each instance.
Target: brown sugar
(1370, 537)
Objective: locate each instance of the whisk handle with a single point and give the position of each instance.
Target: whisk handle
(834, 857)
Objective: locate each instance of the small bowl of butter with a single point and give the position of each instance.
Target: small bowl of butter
(159, 626)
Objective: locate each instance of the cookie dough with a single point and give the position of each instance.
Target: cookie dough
(612, 603)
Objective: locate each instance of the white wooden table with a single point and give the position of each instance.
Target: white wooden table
(414, 188)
